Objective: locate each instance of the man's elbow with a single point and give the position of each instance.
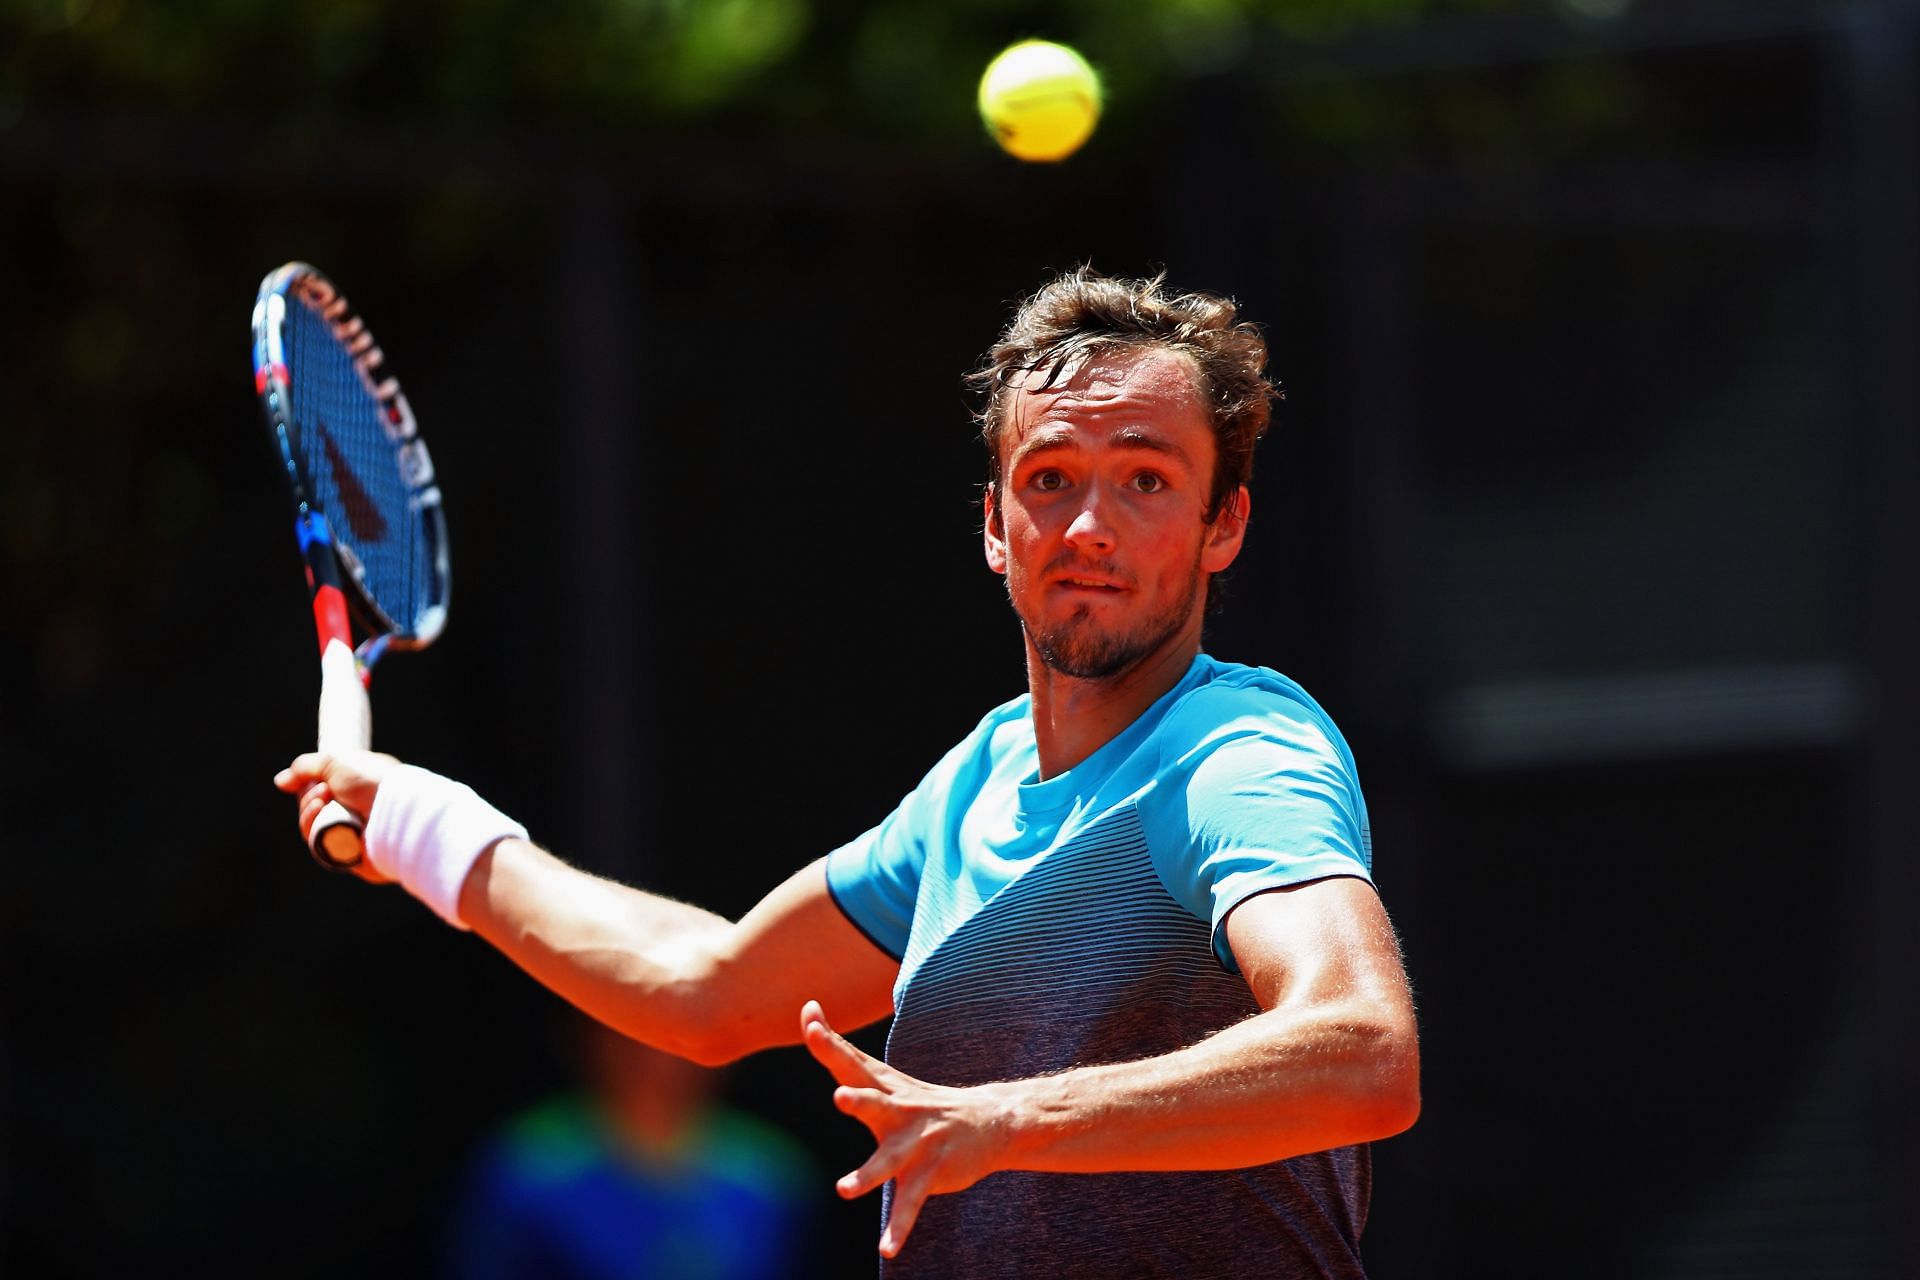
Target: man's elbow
(714, 1053)
(700, 1041)
(1393, 1111)
(1392, 1096)
(711, 1025)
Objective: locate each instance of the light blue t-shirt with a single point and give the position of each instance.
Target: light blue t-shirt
(1079, 921)
(1241, 783)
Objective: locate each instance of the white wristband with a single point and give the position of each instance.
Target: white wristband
(427, 831)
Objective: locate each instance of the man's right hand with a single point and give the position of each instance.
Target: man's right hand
(351, 777)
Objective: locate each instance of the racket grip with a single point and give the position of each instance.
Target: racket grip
(337, 838)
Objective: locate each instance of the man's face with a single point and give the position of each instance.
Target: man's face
(1104, 482)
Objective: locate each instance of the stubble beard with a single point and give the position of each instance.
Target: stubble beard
(1077, 647)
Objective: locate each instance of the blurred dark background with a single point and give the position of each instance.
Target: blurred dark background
(1591, 514)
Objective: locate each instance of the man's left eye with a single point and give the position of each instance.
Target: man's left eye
(1147, 482)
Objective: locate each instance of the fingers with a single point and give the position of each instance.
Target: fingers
(355, 776)
(885, 1162)
(810, 1013)
(865, 1093)
(303, 771)
(314, 777)
(909, 1193)
(848, 1064)
(869, 1106)
(315, 798)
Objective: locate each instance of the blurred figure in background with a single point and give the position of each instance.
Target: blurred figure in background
(644, 1174)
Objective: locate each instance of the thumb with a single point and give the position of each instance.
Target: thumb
(304, 771)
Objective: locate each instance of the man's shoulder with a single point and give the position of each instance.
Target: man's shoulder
(1006, 729)
(1016, 710)
(1232, 697)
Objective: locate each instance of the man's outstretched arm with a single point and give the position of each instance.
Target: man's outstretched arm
(672, 975)
(1332, 1059)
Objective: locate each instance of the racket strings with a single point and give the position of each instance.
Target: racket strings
(354, 468)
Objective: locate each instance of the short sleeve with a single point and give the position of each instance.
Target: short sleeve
(1268, 798)
(875, 879)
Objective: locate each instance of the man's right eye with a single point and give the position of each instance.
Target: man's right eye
(1047, 481)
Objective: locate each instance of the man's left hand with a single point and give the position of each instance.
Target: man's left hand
(930, 1138)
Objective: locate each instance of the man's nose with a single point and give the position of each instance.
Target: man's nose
(1090, 529)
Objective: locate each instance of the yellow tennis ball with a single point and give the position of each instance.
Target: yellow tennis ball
(1040, 100)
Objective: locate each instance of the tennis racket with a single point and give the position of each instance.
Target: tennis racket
(366, 508)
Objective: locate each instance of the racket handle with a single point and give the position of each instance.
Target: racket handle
(346, 724)
(338, 838)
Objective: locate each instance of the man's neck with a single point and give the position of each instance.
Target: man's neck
(1073, 718)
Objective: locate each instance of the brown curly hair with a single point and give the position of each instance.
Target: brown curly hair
(1083, 312)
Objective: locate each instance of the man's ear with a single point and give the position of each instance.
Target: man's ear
(993, 530)
(1227, 533)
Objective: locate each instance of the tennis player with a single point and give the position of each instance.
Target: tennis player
(1148, 1008)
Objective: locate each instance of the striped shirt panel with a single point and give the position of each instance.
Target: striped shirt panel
(1086, 959)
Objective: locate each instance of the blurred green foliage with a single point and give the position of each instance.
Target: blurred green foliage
(889, 65)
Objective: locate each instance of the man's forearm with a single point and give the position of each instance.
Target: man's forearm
(641, 963)
(673, 975)
(1312, 1072)
(1277, 1085)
